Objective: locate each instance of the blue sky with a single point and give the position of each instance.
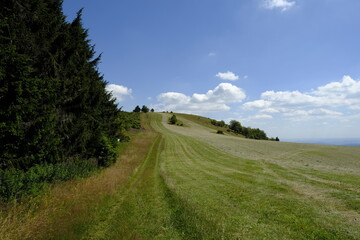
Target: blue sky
(290, 67)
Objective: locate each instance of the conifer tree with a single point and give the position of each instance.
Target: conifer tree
(144, 109)
(137, 109)
(53, 102)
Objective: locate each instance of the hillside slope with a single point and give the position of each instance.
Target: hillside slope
(252, 189)
(338, 159)
(187, 182)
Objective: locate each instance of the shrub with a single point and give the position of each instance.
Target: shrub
(173, 119)
(218, 123)
(219, 132)
(16, 183)
(107, 154)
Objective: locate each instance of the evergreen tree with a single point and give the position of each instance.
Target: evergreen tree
(173, 119)
(137, 109)
(144, 109)
(53, 102)
(152, 110)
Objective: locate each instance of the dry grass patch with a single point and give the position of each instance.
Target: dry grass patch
(72, 202)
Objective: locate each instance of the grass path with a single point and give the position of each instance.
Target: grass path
(189, 183)
(68, 210)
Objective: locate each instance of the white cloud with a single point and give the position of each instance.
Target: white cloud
(212, 101)
(319, 112)
(324, 102)
(259, 104)
(173, 98)
(281, 4)
(119, 92)
(269, 110)
(227, 76)
(262, 116)
(212, 54)
(348, 87)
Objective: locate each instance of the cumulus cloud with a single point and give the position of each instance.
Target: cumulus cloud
(119, 92)
(173, 98)
(283, 5)
(319, 112)
(257, 104)
(262, 116)
(213, 100)
(227, 76)
(318, 103)
(348, 87)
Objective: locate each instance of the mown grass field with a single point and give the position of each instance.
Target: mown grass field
(187, 182)
(248, 189)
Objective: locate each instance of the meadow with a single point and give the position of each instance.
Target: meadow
(187, 182)
(249, 189)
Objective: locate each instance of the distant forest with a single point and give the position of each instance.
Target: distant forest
(57, 121)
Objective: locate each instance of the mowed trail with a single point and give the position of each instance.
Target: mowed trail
(190, 183)
(247, 189)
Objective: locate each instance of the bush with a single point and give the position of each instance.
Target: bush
(219, 132)
(218, 123)
(107, 154)
(16, 183)
(173, 119)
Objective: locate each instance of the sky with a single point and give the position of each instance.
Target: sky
(289, 67)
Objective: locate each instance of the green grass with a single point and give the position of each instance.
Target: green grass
(256, 199)
(204, 121)
(193, 184)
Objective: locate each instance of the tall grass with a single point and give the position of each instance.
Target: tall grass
(15, 184)
(65, 210)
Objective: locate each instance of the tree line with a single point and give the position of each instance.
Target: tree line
(248, 132)
(144, 109)
(57, 121)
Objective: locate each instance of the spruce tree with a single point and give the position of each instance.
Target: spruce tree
(137, 109)
(144, 109)
(53, 102)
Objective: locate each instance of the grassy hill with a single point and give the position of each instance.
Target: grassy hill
(252, 189)
(185, 182)
(206, 122)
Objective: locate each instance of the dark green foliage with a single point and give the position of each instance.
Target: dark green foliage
(218, 123)
(144, 109)
(253, 133)
(256, 133)
(173, 119)
(137, 109)
(277, 139)
(236, 126)
(152, 110)
(53, 102)
(220, 132)
(126, 121)
(15, 183)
